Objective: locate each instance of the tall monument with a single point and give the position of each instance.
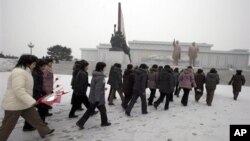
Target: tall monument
(118, 39)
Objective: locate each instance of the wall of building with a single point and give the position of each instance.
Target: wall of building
(161, 53)
(89, 54)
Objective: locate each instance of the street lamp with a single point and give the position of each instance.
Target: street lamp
(30, 45)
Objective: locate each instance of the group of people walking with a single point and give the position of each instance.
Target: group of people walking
(32, 78)
(96, 97)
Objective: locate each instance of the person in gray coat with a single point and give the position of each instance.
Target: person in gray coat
(96, 97)
(139, 89)
(166, 86)
(212, 79)
(237, 81)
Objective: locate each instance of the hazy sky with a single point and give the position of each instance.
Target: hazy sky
(86, 23)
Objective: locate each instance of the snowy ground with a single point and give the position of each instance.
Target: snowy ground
(196, 122)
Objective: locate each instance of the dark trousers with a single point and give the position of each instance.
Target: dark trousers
(152, 96)
(11, 117)
(112, 95)
(42, 111)
(128, 97)
(135, 96)
(79, 99)
(87, 114)
(110, 90)
(210, 97)
(161, 98)
(184, 99)
(198, 94)
(73, 99)
(177, 90)
(236, 94)
(171, 96)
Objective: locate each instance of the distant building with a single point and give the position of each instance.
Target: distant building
(153, 52)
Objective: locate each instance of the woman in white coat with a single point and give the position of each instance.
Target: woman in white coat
(18, 100)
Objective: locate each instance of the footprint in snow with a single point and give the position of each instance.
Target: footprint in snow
(58, 112)
(194, 134)
(65, 136)
(93, 127)
(66, 131)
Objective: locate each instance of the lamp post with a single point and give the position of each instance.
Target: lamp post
(30, 45)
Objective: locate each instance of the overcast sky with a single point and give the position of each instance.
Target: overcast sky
(86, 23)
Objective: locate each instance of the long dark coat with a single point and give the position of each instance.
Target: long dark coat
(128, 81)
(237, 81)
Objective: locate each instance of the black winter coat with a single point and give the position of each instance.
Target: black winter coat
(237, 81)
(200, 80)
(141, 78)
(111, 75)
(115, 79)
(38, 84)
(128, 81)
(166, 81)
(212, 79)
(80, 83)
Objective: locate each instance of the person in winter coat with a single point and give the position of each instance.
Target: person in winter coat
(38, 93)
(212, 79)
(111, 77)
(171, 97)
(76, 68)
(128, 83)
(18, 100)
(80, 85)
(48, 78)
(116, 83)
(160, 68)
(199, 80)
(179, 88)
(176, 80)
(139, 89)
(237, 81)
(152, 83)
(186, 82)
(96, 97)
(166, 86)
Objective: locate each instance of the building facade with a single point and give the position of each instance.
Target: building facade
(153, 52)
